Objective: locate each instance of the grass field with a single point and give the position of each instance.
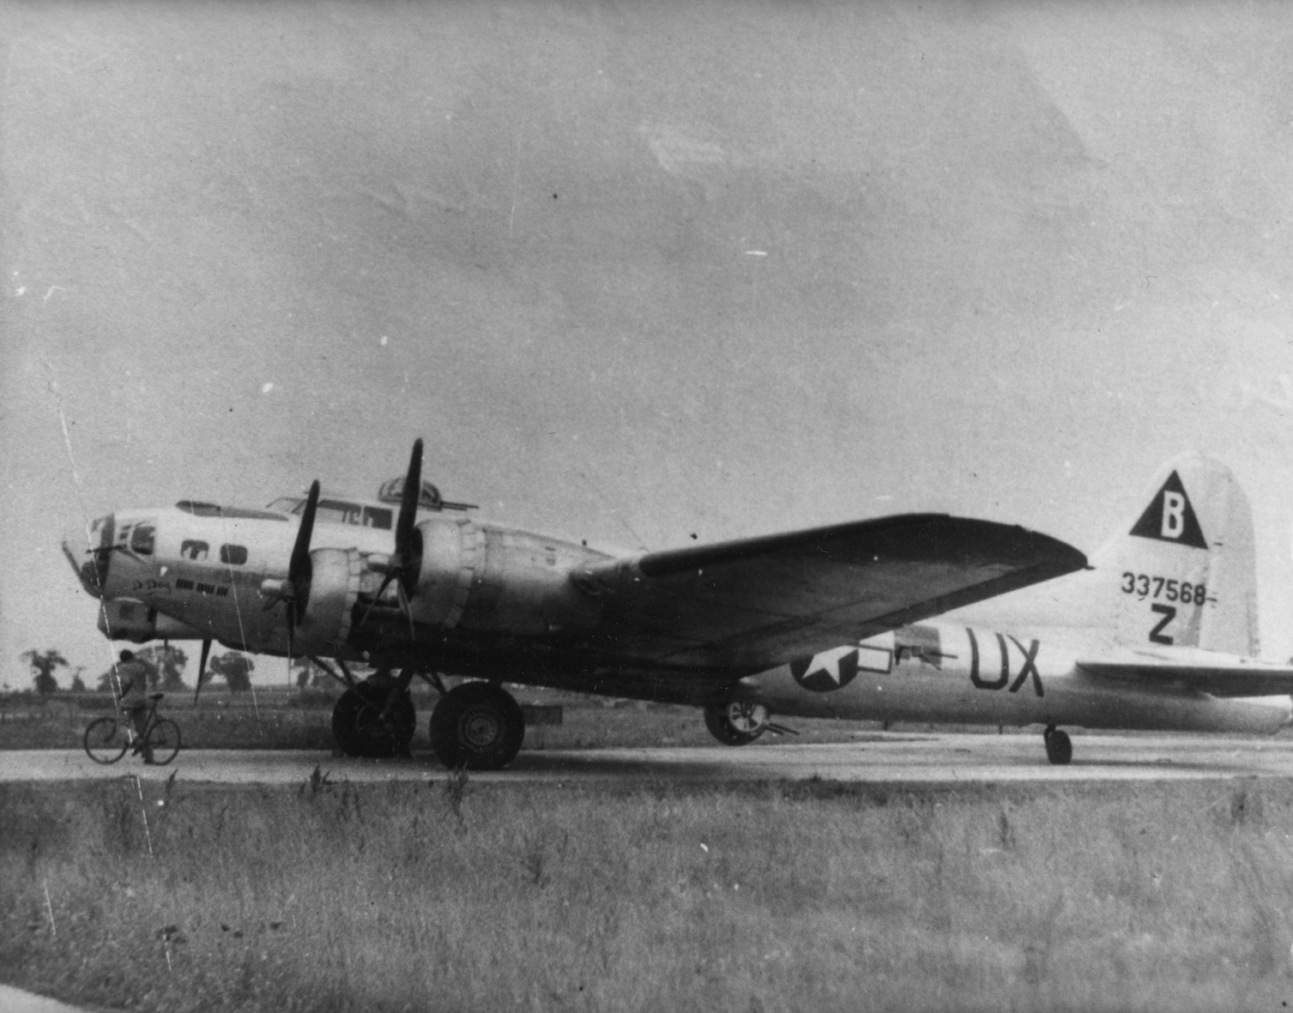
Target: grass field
(455, 896)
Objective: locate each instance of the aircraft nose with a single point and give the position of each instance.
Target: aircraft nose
(87, 548)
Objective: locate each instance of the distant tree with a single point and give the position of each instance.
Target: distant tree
(42, 665)
(78, 684)
(164, 664)
(234, 668)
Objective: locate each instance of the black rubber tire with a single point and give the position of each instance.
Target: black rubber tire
(477, 726)
(164, 741)
(355, 724)
(1059, 747)
(105, 740)
(720, 726)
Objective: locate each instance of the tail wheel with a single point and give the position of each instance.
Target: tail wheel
(1059, 747)
(477, 726)
(105, 740)
(164, 741)
(736, 722)
(359, 728)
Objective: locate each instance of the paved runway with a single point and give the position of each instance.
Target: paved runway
(872, 757)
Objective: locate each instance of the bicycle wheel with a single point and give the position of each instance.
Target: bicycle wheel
(164, 741)
(105, 740)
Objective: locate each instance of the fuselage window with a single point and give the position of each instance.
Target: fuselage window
(233, 555)
(191, 549)
(141, 539)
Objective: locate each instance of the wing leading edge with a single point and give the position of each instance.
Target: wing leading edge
(758, 602)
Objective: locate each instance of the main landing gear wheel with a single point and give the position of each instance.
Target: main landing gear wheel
(1059, 747)
(360, 729)
(477, 726)
(735, 722)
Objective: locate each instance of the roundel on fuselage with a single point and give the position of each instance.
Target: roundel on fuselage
(830, 670)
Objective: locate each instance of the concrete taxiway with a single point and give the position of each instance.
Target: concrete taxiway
(872, 757)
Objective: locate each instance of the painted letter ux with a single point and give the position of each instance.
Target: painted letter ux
(1029, 666)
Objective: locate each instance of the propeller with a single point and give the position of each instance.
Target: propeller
(402, 567)
(202, 667)
(295, 590)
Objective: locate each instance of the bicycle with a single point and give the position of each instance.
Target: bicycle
(108, 738)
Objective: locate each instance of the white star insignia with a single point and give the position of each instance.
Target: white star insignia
(828, 663)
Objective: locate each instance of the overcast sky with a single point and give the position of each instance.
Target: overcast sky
(639, 270)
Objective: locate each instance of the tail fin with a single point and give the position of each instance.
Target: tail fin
(1183, 571)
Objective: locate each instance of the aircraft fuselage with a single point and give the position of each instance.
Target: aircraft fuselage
(942, 673)
(213, 575)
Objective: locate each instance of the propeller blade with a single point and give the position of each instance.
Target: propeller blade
(202, 668)
(298, 569)
(386, 582)
(402, 566)
(409, 505)
(404, 606)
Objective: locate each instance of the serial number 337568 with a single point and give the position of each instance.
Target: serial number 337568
(1142, 585)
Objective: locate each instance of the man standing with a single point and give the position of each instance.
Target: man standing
(130, 683)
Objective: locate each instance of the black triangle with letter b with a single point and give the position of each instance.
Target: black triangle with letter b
(1170, 517)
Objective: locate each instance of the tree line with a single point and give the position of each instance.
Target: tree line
(164, 663)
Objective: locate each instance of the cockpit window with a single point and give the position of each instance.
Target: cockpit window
(193, 549)
(233, 555)
(336, 511)
(142, 538)
(377, 517)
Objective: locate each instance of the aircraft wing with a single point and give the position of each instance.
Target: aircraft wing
(1221, 675)
(758, 602)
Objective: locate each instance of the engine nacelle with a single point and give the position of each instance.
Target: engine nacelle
(489, 578)
(127, 619)
(329, 610)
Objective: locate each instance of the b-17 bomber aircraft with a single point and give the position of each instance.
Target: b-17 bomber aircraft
(1159, 633)
(431, 591)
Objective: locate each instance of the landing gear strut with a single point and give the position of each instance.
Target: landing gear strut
(1059, 747)
(735, 722)
(478, 726)
(366, 721)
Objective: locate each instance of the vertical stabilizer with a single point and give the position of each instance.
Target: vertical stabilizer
(1183, 570)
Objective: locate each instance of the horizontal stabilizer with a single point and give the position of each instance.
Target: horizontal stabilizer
(1220, 675)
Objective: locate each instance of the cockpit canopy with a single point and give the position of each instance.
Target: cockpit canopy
(339, 511)
(334, 509)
